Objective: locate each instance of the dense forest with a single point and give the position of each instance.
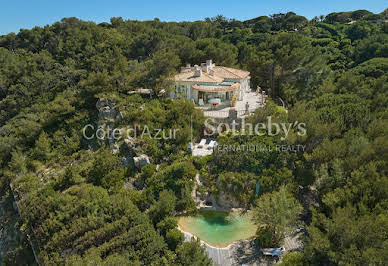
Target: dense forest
(80, 206)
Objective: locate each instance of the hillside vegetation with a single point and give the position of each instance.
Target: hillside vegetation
(81, 206)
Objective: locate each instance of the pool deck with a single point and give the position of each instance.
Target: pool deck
(242, 252)
(245, 252)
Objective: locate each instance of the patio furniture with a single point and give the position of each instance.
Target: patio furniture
(200, 102)
(202, 143)
(215, 102)
(212, 144)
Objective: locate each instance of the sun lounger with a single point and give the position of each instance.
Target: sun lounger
(212, 144)
(202, 143)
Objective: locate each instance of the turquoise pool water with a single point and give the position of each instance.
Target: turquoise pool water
(218, 228)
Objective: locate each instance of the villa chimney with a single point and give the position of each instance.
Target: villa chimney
(210, 64)
(205, 68)
(197, 71)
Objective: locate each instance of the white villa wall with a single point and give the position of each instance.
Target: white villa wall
(194, 95)
(244, 87)
(186, 88)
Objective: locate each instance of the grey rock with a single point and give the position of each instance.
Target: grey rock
(115, 148)
(141, 161)
(128, 147)
(226, 200)
(107, 110)
(127, 161)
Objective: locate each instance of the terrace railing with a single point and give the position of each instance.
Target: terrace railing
(225, 113)
(216, 114)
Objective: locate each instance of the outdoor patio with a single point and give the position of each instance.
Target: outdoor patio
(202, 149)
(253, 99)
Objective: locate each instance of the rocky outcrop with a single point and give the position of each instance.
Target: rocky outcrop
(108, 117)
(141, 161)
(14, 247)
(107, 110)
(132, 155)
(227, 201)
(128, 148)
(223, 201)
(115, 148)
(128, 162)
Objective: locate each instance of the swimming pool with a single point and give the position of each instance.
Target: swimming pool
(218, 228)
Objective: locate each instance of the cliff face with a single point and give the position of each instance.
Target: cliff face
(14, 247)
(223, 201)
(227, 200)
(109, 115)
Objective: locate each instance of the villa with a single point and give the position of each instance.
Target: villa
(211, 84)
